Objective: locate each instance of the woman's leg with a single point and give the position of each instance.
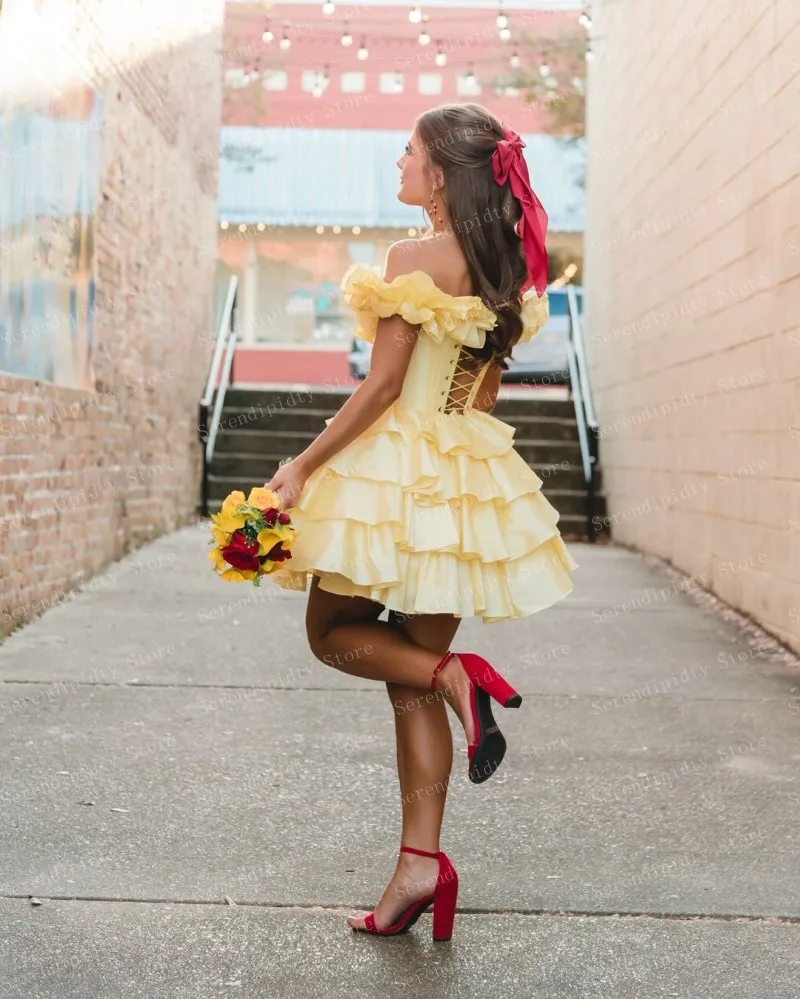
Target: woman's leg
(424, 761)
(344, 633)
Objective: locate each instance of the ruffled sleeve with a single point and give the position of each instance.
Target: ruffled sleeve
(534, 313)
(416, 298)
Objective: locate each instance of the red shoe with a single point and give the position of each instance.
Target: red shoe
(487, 752)
(443, 897)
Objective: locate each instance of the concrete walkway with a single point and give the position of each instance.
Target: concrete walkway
(198, 803)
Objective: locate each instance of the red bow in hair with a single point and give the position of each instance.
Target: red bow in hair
(508, 163)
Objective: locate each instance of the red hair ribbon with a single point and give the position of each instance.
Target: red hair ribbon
(508, 163)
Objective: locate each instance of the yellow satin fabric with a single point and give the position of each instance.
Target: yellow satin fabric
(428, 512)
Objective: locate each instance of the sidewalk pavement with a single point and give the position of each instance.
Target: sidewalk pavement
(198, 803)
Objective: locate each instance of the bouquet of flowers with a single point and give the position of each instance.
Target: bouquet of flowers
(251, 537)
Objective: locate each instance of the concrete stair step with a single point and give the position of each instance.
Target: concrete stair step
(260, 464)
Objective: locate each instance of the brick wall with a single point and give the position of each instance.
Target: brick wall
(693, 270)
(86, 475)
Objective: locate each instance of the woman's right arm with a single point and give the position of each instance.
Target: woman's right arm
(486, 397)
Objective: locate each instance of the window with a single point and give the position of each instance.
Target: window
(274, 79)
(467, 85)
(352, 83)
(391, 83)
(429, 83)
(311, 78)
(235, 77)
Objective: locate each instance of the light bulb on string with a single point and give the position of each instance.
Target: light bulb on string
(505, 34)
(415, 15)
(544, 69)
(585, 21)
(266, 34)
(285, 42)
(514, 60)
(424, 37)
(347, 38)
(328, 8)
(363, 52)
(589, 56)
(440, 58)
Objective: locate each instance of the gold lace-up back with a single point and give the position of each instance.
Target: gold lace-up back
(463, 383)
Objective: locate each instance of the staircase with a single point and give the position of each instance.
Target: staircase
(259, 427)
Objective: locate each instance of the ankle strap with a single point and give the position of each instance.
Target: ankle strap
(422, 853)
(440, 666)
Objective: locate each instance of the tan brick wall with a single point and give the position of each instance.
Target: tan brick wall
(693, 275)
(86, 476)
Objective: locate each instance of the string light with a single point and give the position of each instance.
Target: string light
(261, 227)
(285, 41)
(585, 21)
(337, 229)
(424, 37)
(363, 52)
(356, 230)
(514, 60)
(266, 34)
(328, 8)
(440, 58)
(415, 15)
(502, 20)
(319, 230)
(544, 69)
(347, 38)
(589, 54)
(505, 34)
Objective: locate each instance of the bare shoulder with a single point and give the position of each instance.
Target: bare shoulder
(441, 259)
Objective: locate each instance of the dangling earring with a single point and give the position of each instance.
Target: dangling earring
(434, 210)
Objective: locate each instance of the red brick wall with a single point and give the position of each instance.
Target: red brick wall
(86, 476)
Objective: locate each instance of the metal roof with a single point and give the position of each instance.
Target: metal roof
(323, 176)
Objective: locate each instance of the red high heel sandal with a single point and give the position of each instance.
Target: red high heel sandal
(486, 753)
(443, 897)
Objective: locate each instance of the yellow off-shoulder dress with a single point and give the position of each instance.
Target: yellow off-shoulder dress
(431, 510)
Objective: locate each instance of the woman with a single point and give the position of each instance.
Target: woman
(413, 499)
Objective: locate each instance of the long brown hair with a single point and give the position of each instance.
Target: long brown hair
(460, 139)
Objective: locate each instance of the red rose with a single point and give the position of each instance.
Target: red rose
(270, 516)
(278, 554)
(241, 553)
(284, 518)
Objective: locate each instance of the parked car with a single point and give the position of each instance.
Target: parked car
(359, 357)
(541, 361)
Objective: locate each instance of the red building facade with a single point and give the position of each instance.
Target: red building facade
(304, 77)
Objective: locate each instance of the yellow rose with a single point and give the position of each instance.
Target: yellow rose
(228, 520)
(221, 536)
(263, 498)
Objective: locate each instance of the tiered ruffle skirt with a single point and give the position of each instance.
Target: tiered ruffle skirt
(431, 514)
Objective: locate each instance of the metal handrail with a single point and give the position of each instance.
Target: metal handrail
(218, 382)
(584, 409)
(580, 353)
